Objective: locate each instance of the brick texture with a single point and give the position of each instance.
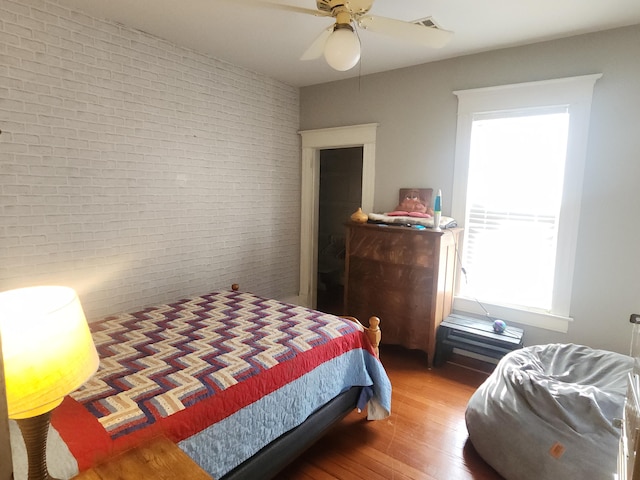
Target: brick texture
(138, 171)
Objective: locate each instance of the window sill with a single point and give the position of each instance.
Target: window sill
(546, 321)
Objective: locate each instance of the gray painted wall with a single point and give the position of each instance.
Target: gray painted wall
(416, 110)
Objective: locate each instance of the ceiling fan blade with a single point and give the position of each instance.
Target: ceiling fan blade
(281, 6)
(413, 32)
(317, 47)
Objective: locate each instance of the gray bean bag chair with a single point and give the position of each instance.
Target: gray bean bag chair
(547, 413)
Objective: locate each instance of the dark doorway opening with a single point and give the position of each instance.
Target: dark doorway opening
(340, 196)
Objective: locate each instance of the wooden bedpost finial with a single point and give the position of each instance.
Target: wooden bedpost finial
(374, 334)
(235, 287)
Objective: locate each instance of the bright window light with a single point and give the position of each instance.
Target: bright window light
(514, 195)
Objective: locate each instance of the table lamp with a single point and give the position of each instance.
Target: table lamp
(48, 352)
(6, 464)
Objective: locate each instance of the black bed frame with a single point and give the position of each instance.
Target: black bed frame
(278, 454)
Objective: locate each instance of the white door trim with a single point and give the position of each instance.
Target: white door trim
(312, 142)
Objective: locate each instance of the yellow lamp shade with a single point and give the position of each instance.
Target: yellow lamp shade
(47, 348)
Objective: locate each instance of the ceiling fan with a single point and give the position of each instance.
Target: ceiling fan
(339, 42)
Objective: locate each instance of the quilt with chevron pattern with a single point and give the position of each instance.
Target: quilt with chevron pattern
(194, 368)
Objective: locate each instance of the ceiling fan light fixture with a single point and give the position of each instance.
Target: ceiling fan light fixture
(342, 50)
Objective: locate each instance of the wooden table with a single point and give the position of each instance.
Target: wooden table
(160, 459)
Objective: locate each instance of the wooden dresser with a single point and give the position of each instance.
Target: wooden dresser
(403, 275)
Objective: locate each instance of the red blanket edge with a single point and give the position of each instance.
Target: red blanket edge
(91, 444)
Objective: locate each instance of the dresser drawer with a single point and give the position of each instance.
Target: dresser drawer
(399, 245)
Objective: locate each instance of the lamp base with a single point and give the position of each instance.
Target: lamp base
(34, 432)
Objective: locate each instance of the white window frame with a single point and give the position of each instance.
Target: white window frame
(576, 93)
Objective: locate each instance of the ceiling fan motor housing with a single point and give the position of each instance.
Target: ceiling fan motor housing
(352, 6)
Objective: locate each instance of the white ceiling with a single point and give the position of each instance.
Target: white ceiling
(271, 41)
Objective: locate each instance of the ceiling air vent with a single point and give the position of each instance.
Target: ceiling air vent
(427, 22)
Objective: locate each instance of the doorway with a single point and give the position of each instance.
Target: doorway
(340, 196)
(313, 142)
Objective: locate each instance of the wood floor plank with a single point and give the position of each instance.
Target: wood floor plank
(425, 438)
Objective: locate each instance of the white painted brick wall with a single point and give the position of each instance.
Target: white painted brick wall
(138, 171)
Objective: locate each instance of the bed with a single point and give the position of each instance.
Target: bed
(241, 383)
(551, 412)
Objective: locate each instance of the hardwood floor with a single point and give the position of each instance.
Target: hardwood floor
(425, 437)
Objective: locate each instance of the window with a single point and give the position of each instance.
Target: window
(520, 155)
(514, 194)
